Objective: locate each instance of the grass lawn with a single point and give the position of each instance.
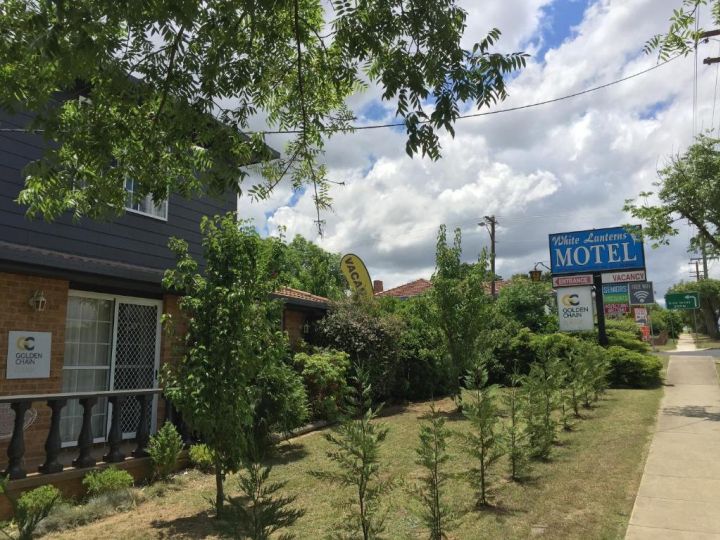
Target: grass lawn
(706, 342)
(671, 345)
(585, 491)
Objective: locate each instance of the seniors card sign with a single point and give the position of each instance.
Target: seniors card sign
(597, 250)
(28, 355)
(575, 309)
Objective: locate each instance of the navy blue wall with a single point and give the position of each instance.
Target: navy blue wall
(132, 239)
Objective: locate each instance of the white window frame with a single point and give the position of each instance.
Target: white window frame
(117, 299)
(149, 202)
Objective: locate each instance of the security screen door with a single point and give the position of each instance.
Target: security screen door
(136, 357)
(111, 342)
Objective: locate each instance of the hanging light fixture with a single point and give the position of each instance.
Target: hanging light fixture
(38, 301)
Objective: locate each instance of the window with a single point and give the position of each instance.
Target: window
(146, 205)
(111, 343)
(88, 344)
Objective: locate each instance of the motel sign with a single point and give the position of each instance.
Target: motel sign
(597, 250)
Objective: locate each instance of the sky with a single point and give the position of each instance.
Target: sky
(560, 167)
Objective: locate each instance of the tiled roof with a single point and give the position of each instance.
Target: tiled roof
(290, 294)
(420, 286)
(67, 261)
(414, 288)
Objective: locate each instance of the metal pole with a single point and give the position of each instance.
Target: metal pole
(652, 342)
(695, 323)
(600, 309)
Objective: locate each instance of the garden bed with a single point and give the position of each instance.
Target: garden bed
(586, 490)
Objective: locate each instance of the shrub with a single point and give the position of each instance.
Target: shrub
(67, 516)
(423, 368)
(632, 369)
(107, 481)
(202, 457)
(164, 449)
(279, 400)
(32, 507)
(627, 340)
(371, 339)
(324, 374)
(624, 325)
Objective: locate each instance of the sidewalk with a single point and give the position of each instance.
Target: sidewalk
(679, 494)
(685, 343)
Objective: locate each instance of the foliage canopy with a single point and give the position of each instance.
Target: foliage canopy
(171, 84)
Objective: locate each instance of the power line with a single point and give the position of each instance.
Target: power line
(488, 113)
(461, 117)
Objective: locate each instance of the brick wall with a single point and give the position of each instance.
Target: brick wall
(171, 342)
(293, 322)
(16, 314)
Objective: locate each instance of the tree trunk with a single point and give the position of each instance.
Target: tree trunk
(710, 320)
(219, 492)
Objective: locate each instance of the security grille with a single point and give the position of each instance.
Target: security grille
(135, 354)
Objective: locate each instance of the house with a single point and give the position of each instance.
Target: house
(404, 291)
(418, 287)
(80, 334)
(301, 312)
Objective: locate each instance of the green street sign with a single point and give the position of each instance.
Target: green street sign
(682, 300)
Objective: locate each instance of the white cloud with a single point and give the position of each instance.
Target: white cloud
(563, 166)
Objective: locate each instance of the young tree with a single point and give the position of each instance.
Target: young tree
(157, 75)
(233, 333)
(482, 442)
(356, 450)
(432, 456)
(540, 389)
(515, 435)
(261, 510)
(459, 294)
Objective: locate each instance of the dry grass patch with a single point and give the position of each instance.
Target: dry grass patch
(585, 491)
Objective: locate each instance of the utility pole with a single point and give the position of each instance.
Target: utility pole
(490, 223)
(696, 273)
(704, 258)
(706, 36)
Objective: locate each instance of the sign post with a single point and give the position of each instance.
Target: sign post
(685, 301)
(615, 249)
(682, 300)
(600, 307)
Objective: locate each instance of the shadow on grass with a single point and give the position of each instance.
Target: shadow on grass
(455, 415)
(287, 453)
(693, 411)
(198, 525)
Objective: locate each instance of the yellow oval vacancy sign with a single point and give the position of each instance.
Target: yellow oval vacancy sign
(357, 275)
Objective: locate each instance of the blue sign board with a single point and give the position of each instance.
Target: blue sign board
(598, 250)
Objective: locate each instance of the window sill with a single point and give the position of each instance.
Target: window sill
(145, 214)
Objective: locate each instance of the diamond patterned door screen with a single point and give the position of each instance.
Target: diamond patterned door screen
(136, 354)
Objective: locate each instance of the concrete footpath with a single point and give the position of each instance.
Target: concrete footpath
(679, 495)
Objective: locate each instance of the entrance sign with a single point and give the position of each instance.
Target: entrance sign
(682, 300)
(641, 315)
(641, 293)
(28, 355)
(356, 274)
(575, 309)
(615, 248)
(623, 277)
(572, 281)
